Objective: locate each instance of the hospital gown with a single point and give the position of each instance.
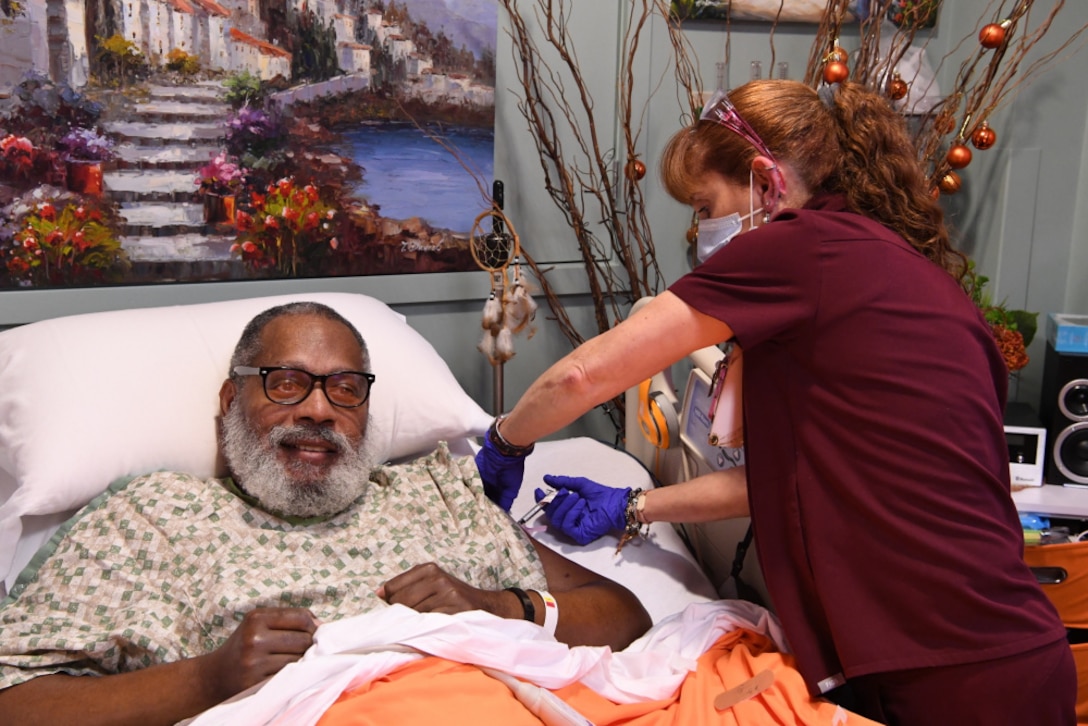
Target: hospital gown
(165, 567)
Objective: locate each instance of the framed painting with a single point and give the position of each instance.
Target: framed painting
(156, 141)
(918, 13)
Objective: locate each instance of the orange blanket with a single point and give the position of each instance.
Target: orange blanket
(437, 691)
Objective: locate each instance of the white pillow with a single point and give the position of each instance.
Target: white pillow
(88, 398)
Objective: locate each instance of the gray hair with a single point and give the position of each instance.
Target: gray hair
(249, 344)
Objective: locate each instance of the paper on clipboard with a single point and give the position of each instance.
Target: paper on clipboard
(726, 406)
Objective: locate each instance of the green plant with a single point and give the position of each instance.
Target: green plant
(291, 230)
(185, 63)
(1012, 329)
(71, 245)
(245, 89)
(120, 58)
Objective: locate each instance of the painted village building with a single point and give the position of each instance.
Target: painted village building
(50, 38)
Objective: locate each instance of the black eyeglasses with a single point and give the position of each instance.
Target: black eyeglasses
(288, 386)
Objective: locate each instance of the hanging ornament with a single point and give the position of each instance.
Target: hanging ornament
(958, 155)
(635, 170)
(950, 183)
(984, 137)
(945, 123)
(897, 88)
(836, 72)
(836, 54)
(993, 35)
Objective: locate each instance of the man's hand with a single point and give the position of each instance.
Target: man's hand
(428, 588)
(583, 509)
(501, 473)
(266, 640)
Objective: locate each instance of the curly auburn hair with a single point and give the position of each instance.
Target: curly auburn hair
(857, 146)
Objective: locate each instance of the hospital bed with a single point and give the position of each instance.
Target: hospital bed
(87, 399)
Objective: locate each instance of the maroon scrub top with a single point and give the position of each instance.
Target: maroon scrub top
(878, 473)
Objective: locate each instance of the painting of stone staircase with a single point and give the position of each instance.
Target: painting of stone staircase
(161, 142)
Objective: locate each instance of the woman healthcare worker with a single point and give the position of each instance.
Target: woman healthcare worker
(877, 475)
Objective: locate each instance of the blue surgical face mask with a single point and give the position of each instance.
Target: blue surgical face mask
(715, 233)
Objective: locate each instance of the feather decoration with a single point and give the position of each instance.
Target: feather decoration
(519, 309)
(493, 313)
(487, 347)
(504, 345)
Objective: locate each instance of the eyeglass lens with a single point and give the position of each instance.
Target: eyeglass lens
(292, 385)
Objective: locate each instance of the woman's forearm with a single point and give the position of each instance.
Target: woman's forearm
(720, 495)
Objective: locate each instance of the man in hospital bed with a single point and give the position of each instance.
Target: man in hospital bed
(182, 592)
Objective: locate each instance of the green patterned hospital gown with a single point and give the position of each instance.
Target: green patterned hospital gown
(165, 567)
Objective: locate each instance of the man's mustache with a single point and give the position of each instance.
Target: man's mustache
(303, 433)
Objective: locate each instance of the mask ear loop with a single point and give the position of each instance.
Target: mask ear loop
(752, 205)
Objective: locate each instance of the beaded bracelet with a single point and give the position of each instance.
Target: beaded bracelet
(632, 527)
(505, 447)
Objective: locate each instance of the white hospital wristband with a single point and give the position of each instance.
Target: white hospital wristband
(551, 611)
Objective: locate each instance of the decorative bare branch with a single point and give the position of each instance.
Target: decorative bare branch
(992, 73)
(592, 177)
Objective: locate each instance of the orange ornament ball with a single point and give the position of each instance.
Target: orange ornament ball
(991, 36)
(897, 88)
(837, 55)
(984, 137)
(836, 72)
(945, 123)
(958, 155)
(950, 183)
(636, 169)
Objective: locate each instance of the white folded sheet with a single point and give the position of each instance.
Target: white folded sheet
(355, 650)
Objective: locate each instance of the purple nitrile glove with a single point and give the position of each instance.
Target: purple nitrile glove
(583, 509)
(502, 474)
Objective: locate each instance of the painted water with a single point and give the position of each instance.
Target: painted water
(408, 174)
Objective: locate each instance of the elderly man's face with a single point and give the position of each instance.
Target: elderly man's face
(304, 459)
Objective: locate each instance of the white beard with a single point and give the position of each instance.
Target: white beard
(296, 489)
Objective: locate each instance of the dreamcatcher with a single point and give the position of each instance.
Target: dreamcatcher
(509, 309)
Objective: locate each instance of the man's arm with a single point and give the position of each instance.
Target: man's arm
(593, 610)
(265, 641)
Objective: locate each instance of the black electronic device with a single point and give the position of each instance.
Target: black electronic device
(1064, 411)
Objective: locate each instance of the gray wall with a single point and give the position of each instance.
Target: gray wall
(1018, 211)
